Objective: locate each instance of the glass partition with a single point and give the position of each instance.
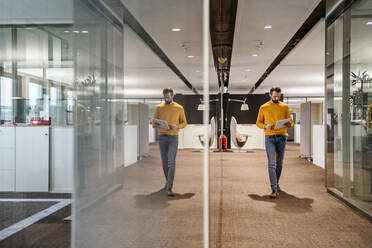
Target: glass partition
(79, 87)
(120, 173)
(349, 106)
(36, 118)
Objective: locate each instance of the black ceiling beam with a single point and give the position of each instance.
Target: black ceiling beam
(222, 27)
(132, 22)
(317, 14)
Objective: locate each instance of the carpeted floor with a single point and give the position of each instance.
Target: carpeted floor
(50, 232)
(242, 215)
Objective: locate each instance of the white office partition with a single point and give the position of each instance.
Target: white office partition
(152, 134)
(297, 133)
(143, 132)
(305, 139)
(318, 145)
(130, 144)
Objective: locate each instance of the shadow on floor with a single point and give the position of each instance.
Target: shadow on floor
(158, 199)
(286, 202)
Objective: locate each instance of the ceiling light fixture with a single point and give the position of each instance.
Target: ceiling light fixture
(84, 31)
(254, 55)
(190, 56)
(222, 60)
(197, 71)
(267, 27)
(176, 29)
(66, 31)
(76, 31)
(369, 23)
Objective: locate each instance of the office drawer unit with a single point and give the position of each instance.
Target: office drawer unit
(7, 158)
(32, 159)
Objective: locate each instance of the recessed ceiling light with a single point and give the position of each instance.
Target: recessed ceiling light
(267, 27)
(369, 23)
(84, 31)
(254, 55)
(76, 31)
(176, 29)
(190, 56)
(66, 31)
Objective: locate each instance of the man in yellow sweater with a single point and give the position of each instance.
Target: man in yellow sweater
(275, 139)
(174, 115)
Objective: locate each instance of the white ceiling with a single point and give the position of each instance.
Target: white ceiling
(301, 71)
(144, 73)
(158, 17)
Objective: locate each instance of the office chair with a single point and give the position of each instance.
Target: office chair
(211, 135)
(238, 139)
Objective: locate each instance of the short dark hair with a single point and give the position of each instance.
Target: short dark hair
(276, 89)
(168, 90)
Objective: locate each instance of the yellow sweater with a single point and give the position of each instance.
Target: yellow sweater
(173, 114)
(270, 113)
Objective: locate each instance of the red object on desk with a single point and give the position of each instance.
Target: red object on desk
(37, 121)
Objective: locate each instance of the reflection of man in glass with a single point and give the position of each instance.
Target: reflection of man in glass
(174, 115)
(275, 139)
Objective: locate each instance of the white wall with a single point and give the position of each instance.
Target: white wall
(188, 137)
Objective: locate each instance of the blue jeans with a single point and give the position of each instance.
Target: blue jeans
(168, 150)
(275, 148)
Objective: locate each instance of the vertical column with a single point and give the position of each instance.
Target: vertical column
(329, 112)
(346, 103)
(14, 73)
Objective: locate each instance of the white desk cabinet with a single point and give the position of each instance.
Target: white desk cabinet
(32, 159)
(61, 159)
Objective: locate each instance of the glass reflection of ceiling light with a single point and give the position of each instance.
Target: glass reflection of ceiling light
(369, 23)
(190, 56)
(267, 27)
(254, 55)
(176, 29)
(244, 107)
(84, 31)
(201, 107)
(66, 31)
(76, 31)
